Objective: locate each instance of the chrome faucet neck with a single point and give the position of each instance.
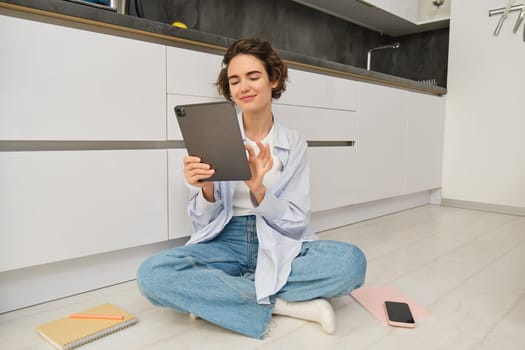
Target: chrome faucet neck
(369, 54)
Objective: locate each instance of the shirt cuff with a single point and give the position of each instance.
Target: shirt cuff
(270, 207)
(202, 204)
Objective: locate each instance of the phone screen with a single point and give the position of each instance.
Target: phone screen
(399, 312)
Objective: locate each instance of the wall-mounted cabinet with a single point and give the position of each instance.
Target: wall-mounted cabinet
(394, 18)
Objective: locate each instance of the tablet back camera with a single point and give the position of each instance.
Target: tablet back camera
(180, 111)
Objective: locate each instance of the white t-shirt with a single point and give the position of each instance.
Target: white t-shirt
(242, 199)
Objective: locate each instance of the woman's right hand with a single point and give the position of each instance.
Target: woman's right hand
(195, 170)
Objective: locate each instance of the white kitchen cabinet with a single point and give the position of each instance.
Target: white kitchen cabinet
(318, 124)
(191, 77)
(61, 83)
(68, 204)
(424, 141)
(192, 73)
(338, 125)
(332, 184)
(64, 207)
(318, 90)
(333, 181)
(327, 164)
(179, 222)
(380, 146)
(102, 87)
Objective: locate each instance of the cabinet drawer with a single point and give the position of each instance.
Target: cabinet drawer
(318, 124)
(62, 83)
(62, 205)
(192, 72)
(315, 124)
(317, 90)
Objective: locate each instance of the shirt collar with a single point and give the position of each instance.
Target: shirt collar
(280, 138)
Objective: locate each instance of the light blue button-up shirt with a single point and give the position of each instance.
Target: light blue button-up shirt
(282, 217)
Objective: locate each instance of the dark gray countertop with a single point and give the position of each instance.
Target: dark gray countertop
(156, 31)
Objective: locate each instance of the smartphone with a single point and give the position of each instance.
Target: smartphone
(398, 314)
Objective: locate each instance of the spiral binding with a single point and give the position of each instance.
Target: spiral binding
(101, 334)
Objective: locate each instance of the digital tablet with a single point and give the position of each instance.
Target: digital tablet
(211, 132)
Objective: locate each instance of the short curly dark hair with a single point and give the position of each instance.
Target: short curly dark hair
(275, 67)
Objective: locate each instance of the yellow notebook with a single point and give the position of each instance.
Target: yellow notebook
(68, 333)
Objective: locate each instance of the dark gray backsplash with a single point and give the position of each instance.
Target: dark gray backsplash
(421, 56)
(293, 27)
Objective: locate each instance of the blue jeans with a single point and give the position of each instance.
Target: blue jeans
(215, 279)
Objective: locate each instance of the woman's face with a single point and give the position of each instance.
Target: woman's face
(250, 86)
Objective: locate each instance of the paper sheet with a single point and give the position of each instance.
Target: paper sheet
(372, 298)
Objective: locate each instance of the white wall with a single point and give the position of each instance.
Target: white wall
(484, 150)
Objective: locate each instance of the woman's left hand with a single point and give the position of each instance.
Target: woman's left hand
(259, 164)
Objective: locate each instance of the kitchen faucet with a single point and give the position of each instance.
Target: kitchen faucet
(369, 56)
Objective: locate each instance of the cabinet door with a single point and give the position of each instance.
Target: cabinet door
(424, 142)
(60, 83)
(179, 222)
(318, 90)
(380, 145)
(62, 205)
(192, 73)
(332, 177)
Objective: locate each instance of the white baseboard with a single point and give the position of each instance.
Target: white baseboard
(34, 285)
(495, 208)
(38, 284)
(329, 219)
(436, 196)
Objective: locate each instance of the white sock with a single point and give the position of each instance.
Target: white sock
(193, 316)
(316, 310)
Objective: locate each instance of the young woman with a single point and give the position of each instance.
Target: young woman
(252, 253)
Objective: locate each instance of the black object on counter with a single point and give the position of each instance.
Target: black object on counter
(139, 8)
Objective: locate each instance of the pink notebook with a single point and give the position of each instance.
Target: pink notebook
(373, 298)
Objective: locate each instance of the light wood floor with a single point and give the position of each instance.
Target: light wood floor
(466, 267)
